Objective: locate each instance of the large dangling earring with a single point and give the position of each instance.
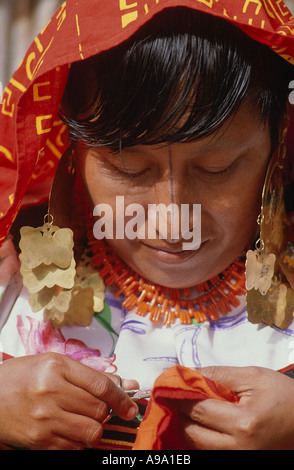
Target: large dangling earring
(47, 257)
(270, 298)
(67, 292)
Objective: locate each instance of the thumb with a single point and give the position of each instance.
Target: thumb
(125, 384)
(129, 384)
(238, 379)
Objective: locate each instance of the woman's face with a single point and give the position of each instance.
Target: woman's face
(224, 173)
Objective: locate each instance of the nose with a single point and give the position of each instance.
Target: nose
(171, 215)
(164, 211)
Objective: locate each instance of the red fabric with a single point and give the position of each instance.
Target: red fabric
(32, 138)
(4, 357)
(286, 369)
(159, 428)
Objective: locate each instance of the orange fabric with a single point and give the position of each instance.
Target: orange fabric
(32, 138)
(159, 428)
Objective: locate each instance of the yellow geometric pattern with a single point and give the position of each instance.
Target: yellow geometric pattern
(251, 13)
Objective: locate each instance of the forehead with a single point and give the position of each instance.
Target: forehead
(242, 130)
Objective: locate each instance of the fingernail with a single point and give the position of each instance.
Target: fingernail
(133, 411)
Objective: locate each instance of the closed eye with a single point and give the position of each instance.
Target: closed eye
(215, 173)
(128, 173)
(125, 172)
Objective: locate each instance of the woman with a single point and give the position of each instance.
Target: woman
(163, 115)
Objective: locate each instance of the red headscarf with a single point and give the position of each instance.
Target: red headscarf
(32, 138)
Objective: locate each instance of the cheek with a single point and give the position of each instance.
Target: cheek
(99, 188)
(103, 187)
(233, 211)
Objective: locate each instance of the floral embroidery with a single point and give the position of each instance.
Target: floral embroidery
(43, 337)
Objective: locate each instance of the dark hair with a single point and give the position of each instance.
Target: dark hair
(181, 64)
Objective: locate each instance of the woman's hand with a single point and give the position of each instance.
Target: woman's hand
(50, 401)
(262, 420)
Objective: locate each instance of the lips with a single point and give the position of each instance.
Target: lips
(169, 249)
(171, 254)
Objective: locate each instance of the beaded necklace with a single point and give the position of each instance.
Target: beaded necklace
(209, 299)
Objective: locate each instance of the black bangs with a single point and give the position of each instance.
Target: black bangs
(179, 78)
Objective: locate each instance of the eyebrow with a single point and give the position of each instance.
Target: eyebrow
(215, 143)
(236, 147)
(241, 147)
(221, 143)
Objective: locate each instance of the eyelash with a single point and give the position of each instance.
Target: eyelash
(125, 174)
(128, 174)
(211, 174)
(215, 174)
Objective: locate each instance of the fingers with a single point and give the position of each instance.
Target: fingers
(125, 384)
(116, 379)
(80, 430)
(215, 424)
(238, 379)
(100, 386)
(210, 413)
(61, 443)
(209, 424)
(57, 402)
(117, 400)
(128, 384)
(201, 438)
(79, 401)
(61, 429)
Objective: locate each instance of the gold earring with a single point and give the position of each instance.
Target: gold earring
(270, 298)
(47, 260)
(67, 292)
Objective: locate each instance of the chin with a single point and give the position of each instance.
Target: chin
(173, 277)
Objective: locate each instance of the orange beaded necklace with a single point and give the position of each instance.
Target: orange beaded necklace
(212, 298)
